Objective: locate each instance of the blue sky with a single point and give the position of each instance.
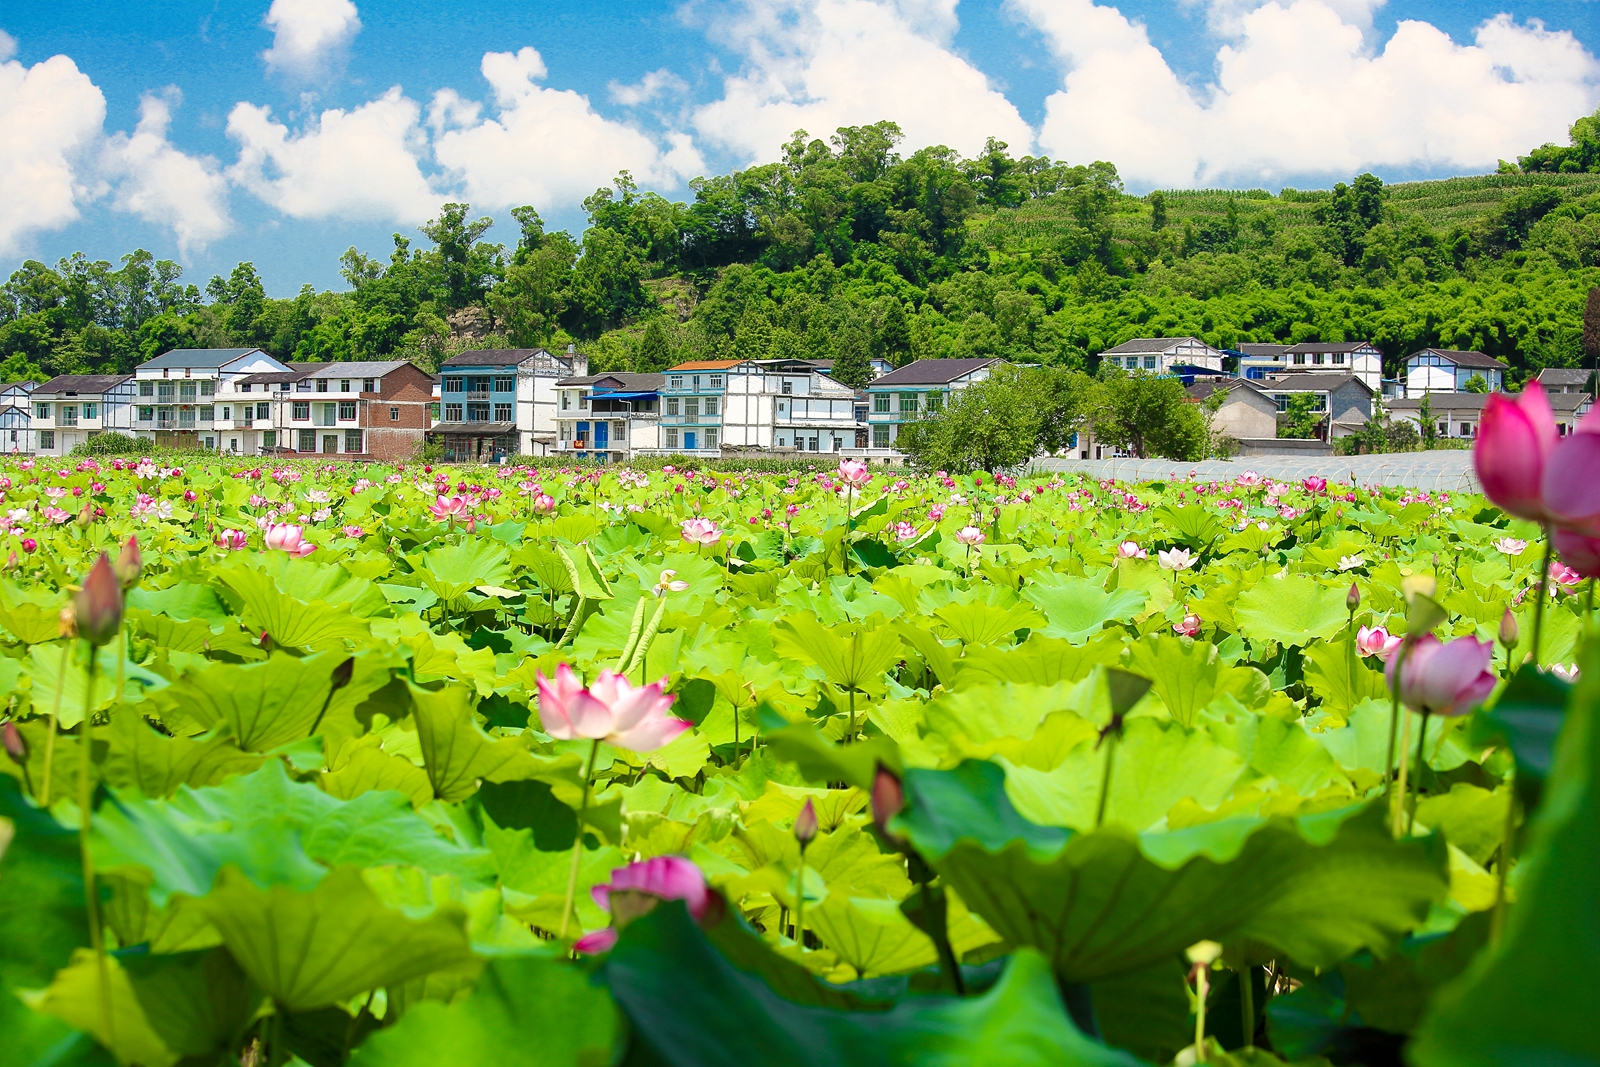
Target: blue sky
(284, 131)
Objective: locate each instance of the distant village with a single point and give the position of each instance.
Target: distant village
(489, 405)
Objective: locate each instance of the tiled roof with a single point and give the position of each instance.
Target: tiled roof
(932, 372)
(1308, 382)
(1564, 376)
(80, 383)
(1253, 349)
(1140, 345)
(500, 357)
(628, 381)
(1462, 359)
(707, 364)
(207, 358)
(1329, 346)
(367, 369)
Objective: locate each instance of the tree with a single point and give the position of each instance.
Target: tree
(1063, 398)
(468, 266)
(990, 426)
(1425, 424)
(1148, 416)
(653, 354)
(1158, 210)
(852, 355)
(1591, 328)
(1301, 418)
(1476, 384)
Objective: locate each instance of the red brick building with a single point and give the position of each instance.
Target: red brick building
(370, 410)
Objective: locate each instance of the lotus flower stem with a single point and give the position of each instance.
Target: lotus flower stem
(1247, 1006)
(1544, 588)
(1416, 787)
(91, 897)
(577, 845)
(1497, 922)
(1105, 781)
(1200, 989)
(1397, 802)
(800, 903)
(55, 718)
(1394, 706)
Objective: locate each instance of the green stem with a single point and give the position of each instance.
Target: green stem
(1247, 1006)
(1394, 707)
(1200, 1014)
(1502, 866)
(91, 896)
(1416, 787)
(1105, 781)
(55, 720)
(577, 844)
(800, 903)
(1544, 586)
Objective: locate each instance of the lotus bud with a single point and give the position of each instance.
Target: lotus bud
(16, 745)
(1204, 953)
(130, 563)
(342, 674)
(1508, 630)
(99, 603)
(888, 797)
(1352, 599)
(1423, 616)
(267, 643)
(85, 515)
(12, 562)
(1418, 584)
(805, 825)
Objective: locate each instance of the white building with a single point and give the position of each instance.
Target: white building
(1360, 358)
(708, 405)
(71, 408)
(1159, 355)
(16, 416)
(609, 416)
(177, 393)
(916, 389)
(495, 403)
(1438, 370)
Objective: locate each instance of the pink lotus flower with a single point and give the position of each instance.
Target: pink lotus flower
(1314, 484)
(1375, 641)
(1570, 489)
(290, 539)
(669, 583)
(854, 473)
(635, 891)
(29, 545)
(449, 507)
(1511, 546)
(1444, 678)
(936, 513)
(700, 531)
(611, 709)
(232, 540)
(354, 531)
(543, 504)
(970, 535)
(1580, 553)
(1568, 673)
(1249, 478)
(1131, 550)
(56, 515)
(1515, 439)
(905, 531)
(1564, 575)
(1176, 559)
(1188, 626)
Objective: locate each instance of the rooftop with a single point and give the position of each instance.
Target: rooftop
(1564, 376)
(1150, 344)
(1203, 389)
(707, 364)
(368, 369)
(502, 357)
(1308, 382)
(625, 381)
(1462, 359)
(933, 372)
(80, 383)
(1254, 349)
(206, 358)
(1329, 346)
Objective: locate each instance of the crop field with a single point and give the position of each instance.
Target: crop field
(425, 767)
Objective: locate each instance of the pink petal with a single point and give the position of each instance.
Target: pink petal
(590, 718)
(1511, 450)
(1571, 485)
(651, 734)
(597, 942)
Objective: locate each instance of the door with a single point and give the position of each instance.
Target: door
(690, 439)
(602, 435)
(330, 444)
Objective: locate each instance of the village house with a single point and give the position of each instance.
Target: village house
(495, 403)
(1458, 415)
(1567, 380)
(1244, 412)
(1438, 370)
(71, 408)
(1344, 402)
(176, 404)
(919, 388)
(709, 405)
(16, 416)
(607, 416)
(1161, 355)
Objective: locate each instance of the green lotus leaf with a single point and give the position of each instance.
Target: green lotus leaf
(850, 654)
(262, 705)
(311, 625)
(1040, 661)
(364, 768)
(1340, 678)
(31, 623)
(310, 949)
(691, 1005)
(74, 996)
(42, 915)
(458, 754)
(197, 1003)
(452, 570)
(576, 1023)
(1078, 608)
(44, 669)
(1107, 902)
(182, 601)
(1291, 610)
(141, 758)
(1187, 674)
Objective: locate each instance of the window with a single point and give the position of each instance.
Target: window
(308, 441)
(711, 438)
(347, 409)
(208, 413)
(68, 415)
(1466, 429)
(691, 407)
(270, 439)
(227, 413)
(245, 388)
(455, 385)
(695, 382)
(788, 387)
(42, 411)
(908, 403)
(233, 444)
(207, 387)
(1444, 429)
(452, 413)
(619, 431)
(672, 405)
(263, 410)
(566, 400)
(880, 436)
(1338, 359)
(394, 416)
(477, 411)
(164, 392)
(149, 388)
(187, 392)
(711, 405)
(303, 385)
(433, 412)
(1318, 358)
(352, 441)
(322, 385)
(147, 414)
(302, 410)
(675, 382)
(672, 438)
(880, 403)
(369, 385)
(211, 443)
(47, 439)
(716, 381)
(505, 384)
(583, 399)
(344, 385)
(1300, 359)
(1282, 400)
(935, 401)
(1151, 362)
(502, 413)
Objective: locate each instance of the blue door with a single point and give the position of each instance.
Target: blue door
(689, 439)
(583, 436)
(602, 434)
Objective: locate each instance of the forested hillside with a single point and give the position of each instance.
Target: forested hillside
(847, 247)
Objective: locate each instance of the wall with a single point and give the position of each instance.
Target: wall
(411, 391)
(1246, 414)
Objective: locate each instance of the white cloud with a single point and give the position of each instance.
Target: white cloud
(307, 35)
(655, 84)
(161, 184)
(1297, 94)
(544, 147)
(8, 46)
(51, 115)
(821, 64)
(358, 164)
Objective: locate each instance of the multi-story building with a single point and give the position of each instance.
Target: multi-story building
(258, 406)
(709, 405)
(1458, 415)
(1567, 380)
(71, 408)
(607, 416)
(177, 393)
(1360, 358)
(494, 403)
(1158, 355)
(917, 389)
(367, 410)
(16, 416)
(1438, 370)
(1344, 402)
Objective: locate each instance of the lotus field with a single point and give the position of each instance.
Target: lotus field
(507, 766)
